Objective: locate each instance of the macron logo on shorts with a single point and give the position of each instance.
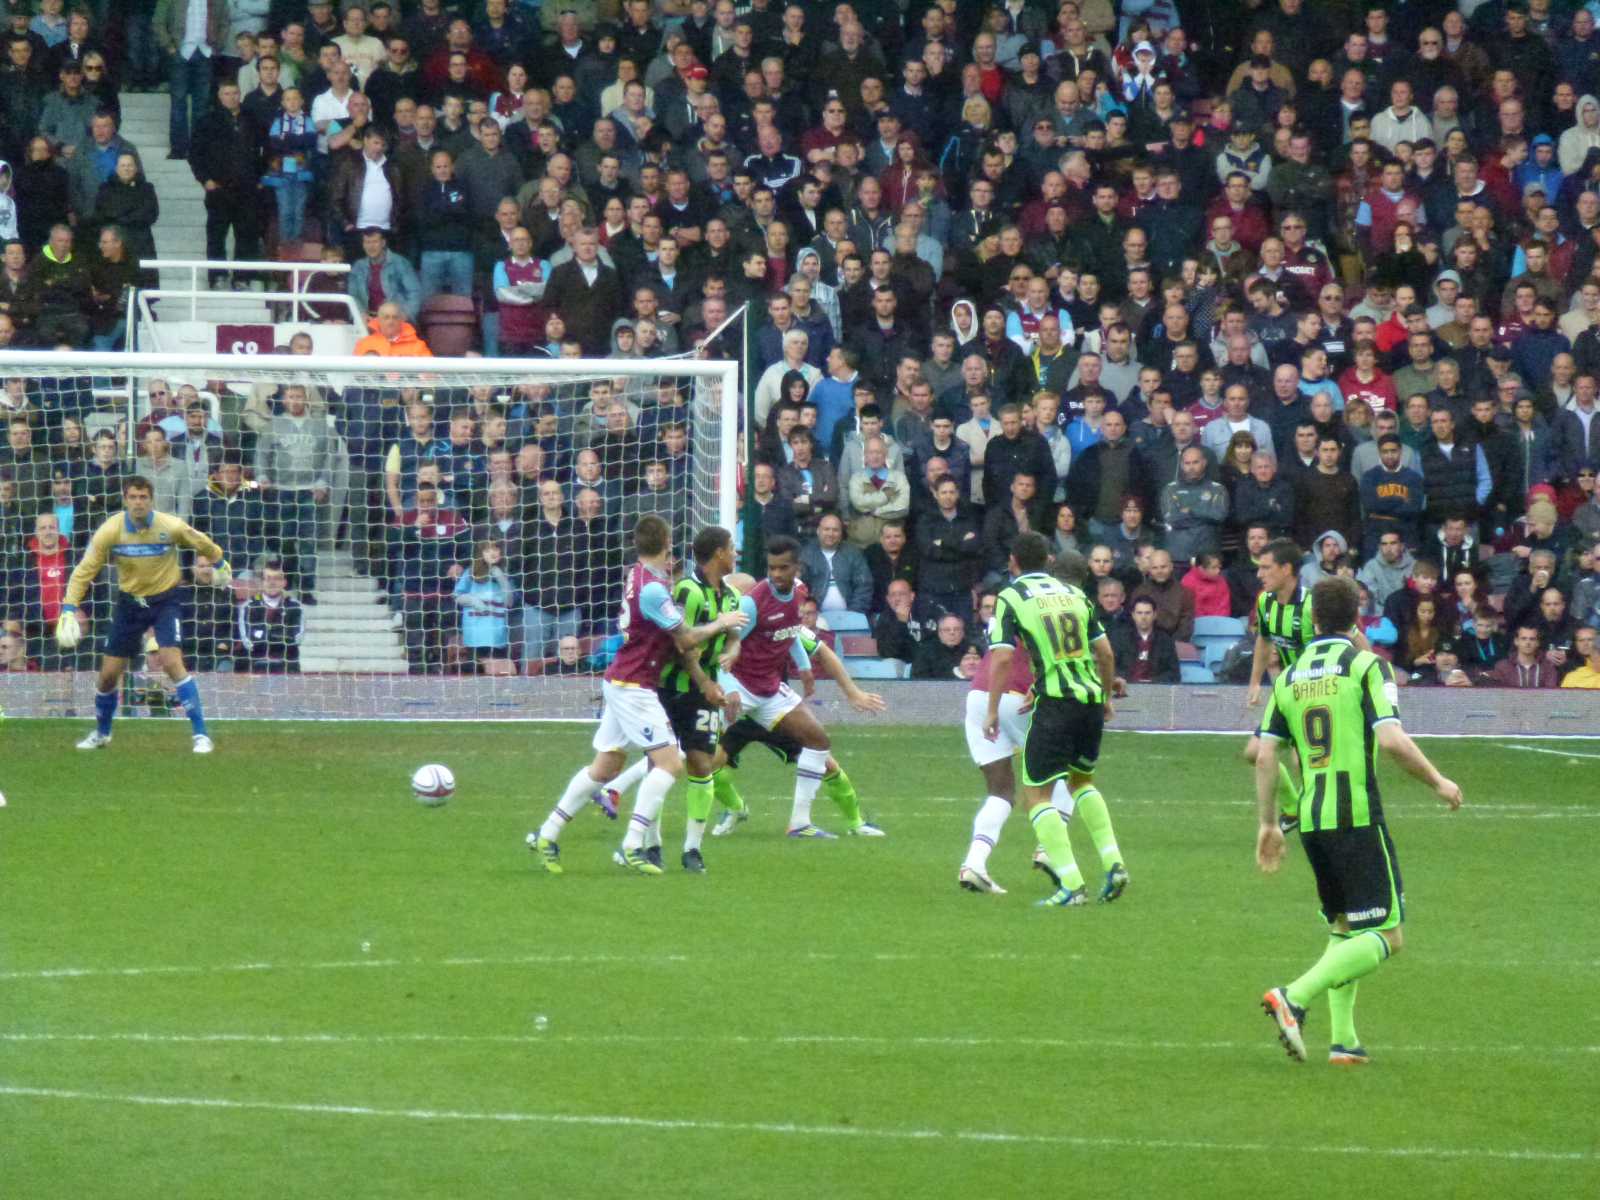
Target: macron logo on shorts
(1367, 914)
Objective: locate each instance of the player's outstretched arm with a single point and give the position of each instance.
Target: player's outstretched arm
(833, 666)
(1269, 838)
(1397, 743)
(686, 638)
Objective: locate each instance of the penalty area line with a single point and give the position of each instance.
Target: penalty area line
(786, 1128)
(917, 1041)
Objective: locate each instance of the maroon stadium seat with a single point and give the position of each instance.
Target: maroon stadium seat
(449, 324)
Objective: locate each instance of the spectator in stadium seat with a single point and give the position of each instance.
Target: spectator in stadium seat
(488, 171)
(169, 477)
(949, 551)
(808, 482)
(834, 571)
(366, 191)
(27, 464)
(1587, 675)
(55, 292)
(294, 469)
(189, 62)
(444, 232)
(1174, 602)
(211, 623)
(93, 163)
(198, 449)
(550, 598)
(588, 294)
(392, 335)
(382, 276)
(890, 558)
(905, 622)
(597, 547)
(1022, 511)
(1145, 653)
(232, 516)
(939, 657)
(429, 552)
(1193, 509)
(226, 161)
(271, 626)
(1526, 667)
(877, 492)
(519, 282)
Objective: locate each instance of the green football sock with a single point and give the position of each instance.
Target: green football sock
(727, 795)
(698, 807)
(843, 793)
(1051, 830)
(1345, 960)
(1342, 1005)
(1288, 793)
(1091, 806)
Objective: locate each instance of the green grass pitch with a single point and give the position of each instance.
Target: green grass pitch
(271, 973)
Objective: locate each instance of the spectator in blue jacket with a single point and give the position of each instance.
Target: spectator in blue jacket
(382, 276)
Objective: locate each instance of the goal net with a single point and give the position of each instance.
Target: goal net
(417, 538)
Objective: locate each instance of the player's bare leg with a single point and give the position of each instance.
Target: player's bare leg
(809, 769)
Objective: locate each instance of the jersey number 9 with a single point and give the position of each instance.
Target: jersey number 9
(1318, 725)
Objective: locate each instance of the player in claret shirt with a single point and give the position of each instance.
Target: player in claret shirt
(654, 630)
(754, 669)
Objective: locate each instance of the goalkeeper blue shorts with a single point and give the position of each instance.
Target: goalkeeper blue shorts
(134, 616)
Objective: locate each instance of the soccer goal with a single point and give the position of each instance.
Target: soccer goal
(412, 537)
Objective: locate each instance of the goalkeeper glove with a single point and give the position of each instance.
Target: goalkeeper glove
(222, 573)
(68, 632)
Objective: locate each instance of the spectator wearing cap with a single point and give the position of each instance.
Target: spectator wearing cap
(64, 115)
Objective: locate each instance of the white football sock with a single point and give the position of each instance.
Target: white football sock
(807, 779)
(622, 783)
(986, 832)
(647, 806)
(572, 802)
(1061, 797)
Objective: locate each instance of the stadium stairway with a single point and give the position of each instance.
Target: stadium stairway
(347, 629)
(181, 229)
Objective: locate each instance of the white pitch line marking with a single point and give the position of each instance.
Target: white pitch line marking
(663, 960)
(733, 1039)
(791, 1129)
(1557, 753)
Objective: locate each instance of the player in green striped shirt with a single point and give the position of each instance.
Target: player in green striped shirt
(1338, 707)
(1283, 622)
(1072, 668)
(689, 692)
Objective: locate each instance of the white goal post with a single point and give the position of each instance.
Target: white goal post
(449, 533)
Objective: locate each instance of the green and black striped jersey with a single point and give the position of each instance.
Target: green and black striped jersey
(1330, 705)
(1286, 626)
(699, 602)
(1057, 624)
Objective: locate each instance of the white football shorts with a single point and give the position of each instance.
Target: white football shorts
(1013, 727)
(765, 711)
(631, 716)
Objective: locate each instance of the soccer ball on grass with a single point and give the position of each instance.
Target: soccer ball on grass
(432, 784)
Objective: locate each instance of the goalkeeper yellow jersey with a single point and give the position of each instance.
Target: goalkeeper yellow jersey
(146, 555)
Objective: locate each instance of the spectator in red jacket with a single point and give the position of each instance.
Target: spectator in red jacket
(1526, 668)
(1204, 581)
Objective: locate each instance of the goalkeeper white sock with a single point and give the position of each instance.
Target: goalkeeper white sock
(572, 802)
(807, 779)
(647, 806)
(986, 832)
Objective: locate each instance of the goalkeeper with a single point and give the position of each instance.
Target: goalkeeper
(144, 544)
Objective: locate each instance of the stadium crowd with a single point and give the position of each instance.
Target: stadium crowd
(1166, 281)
